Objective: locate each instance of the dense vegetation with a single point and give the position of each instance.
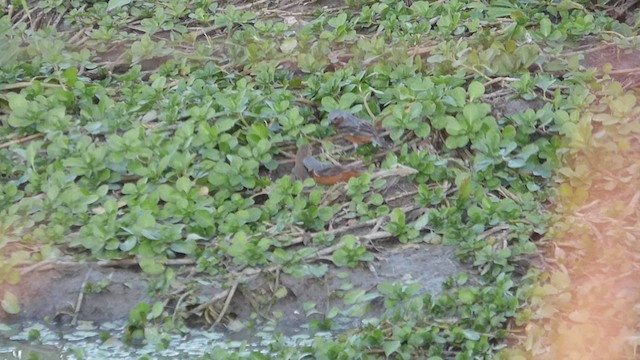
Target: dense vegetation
(166, 130)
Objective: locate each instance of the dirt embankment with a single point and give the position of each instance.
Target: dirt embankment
(55, 292)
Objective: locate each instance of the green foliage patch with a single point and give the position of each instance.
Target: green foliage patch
(160, 131)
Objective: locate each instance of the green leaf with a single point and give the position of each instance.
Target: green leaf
(128, 244)
(462, 279)
(471, 335)
(623, 105)
(32, 151)
(476, 90)
(347, 100)
(71, 76)
(527, 55)
(453, 127)
(545, 27)
(184, 247)
(260, 130)
(225, 124)
(263, 146)
(390, 347)
(238, 244)
(333, 312)
(376, 199)
(183, 184)
(34, 335)
(20, 115)
(288, 45)
(455, 142)
(397, 216)
(459, 96)
(475, 112)
(421, 222)
(338, 21)
(353, 296)
(151, 266)
(145, 221)
(423, 130)
(421, 8)
(466, 296)
(156, 309)
(117, 3)
(281, 292)
(10, 303)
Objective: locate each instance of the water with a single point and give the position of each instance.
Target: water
(89, 341)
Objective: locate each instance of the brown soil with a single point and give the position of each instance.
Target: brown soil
(625, 63)
(52, 294)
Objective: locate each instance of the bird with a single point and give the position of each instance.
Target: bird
(325, 173)
(356, 130)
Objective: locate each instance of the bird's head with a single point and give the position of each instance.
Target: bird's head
(336, 117)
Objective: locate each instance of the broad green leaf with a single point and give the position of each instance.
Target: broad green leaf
(421, 8)
(21, 108)
(421, 222)
(333, 312)
(476, 90)
(475, 112)
(354, 296)
(623, 105)
(238, 245)
(545, 27)
(10, 303)
(225, 124)
(281, 292)
(145, 221)
(71, 76)
(347, 100)
(156, 309)
(471, 335)
(459, 95)
(183, 184)
(453, 127)
(339, 20)
(129, 244)
(187, 247)
(151, 266)
(455, 142)
(527, 55)
(117, 3)
(466, 296)
(288, 45)
(390, 347)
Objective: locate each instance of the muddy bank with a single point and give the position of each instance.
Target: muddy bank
(53, 293)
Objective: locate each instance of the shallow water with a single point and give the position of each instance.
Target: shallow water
(87, 341)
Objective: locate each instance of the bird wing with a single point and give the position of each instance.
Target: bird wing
(312, 164)
(357, 127)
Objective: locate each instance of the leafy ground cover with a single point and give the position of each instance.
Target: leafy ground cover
(162, 135)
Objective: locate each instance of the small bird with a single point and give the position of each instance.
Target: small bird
(356, 130)
(325, 173)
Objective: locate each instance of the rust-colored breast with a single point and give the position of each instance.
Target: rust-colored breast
(358, 139)
(333, 177)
